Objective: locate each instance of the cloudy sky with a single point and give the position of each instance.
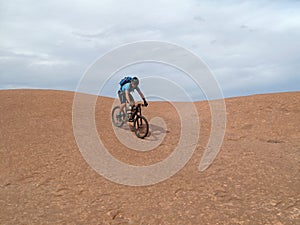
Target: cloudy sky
(250, 46)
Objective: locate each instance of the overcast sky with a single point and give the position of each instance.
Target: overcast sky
(250, 46)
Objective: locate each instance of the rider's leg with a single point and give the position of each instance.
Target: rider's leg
(131, 99)
(122, 106)
(122, 100)
(132, 104)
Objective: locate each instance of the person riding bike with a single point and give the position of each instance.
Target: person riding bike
(124, 93)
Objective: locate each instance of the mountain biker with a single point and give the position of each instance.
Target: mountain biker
(125, 96)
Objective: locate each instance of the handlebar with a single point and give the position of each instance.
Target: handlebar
(139, 104)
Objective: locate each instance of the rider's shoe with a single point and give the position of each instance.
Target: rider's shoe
(130, 120)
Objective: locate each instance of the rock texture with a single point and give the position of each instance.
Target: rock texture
(45, 180)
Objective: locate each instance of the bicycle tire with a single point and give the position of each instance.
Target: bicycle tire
(118, 122)
(141, 124)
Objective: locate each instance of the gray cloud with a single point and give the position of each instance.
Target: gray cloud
(250, 46)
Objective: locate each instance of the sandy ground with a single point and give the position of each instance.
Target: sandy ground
(45, 180)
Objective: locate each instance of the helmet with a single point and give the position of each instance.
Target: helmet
(135, 80)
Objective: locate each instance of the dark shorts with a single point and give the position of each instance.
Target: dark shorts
(122, 97)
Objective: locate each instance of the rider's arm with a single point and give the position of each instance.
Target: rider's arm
(142, 96)
(141, 93)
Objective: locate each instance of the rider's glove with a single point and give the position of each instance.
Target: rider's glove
(145, 102)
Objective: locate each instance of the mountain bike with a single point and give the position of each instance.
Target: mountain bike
(140, 123)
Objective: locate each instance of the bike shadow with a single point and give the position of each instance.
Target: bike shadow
(156, 132)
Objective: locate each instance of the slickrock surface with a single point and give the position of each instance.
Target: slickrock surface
(255, 178)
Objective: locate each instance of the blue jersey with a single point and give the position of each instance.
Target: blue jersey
(128, 87)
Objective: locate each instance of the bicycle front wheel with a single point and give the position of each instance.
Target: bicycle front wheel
(141, 127)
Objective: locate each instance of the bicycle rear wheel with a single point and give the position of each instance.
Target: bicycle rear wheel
(117, 116)
(141, 127)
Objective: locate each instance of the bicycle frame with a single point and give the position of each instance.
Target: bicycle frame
(137, 111)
